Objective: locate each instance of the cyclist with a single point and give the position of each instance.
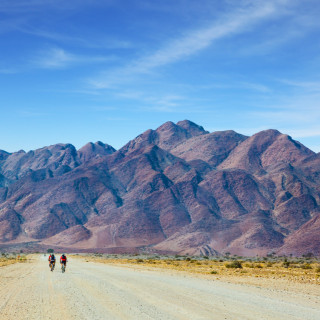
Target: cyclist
(63, 260)
(52, 261)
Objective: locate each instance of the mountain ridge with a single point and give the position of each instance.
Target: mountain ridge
(178, 189)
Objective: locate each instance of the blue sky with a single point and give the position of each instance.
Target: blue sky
(88, 70)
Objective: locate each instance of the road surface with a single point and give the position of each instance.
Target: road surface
(92, 291)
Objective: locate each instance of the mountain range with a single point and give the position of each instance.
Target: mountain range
(177, 189)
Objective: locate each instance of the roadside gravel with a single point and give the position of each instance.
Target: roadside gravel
(91, 290)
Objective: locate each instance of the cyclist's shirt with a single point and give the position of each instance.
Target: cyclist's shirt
(63, 259)
(52, 259)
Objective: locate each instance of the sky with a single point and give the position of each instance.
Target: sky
(107, 70)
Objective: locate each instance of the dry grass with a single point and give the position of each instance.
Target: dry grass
(300, 272)
(7, 260)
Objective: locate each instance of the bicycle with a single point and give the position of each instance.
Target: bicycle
(63, 267)
(52, 265)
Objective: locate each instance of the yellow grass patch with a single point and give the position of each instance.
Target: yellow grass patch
(306, 272)
(5, 261)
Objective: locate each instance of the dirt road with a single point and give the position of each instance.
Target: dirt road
(97, 291)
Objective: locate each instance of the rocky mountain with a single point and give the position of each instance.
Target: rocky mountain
(176, 189)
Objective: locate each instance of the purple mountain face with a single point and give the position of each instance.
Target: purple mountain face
(176, 189)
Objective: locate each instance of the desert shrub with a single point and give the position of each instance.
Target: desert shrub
(306, 266)
(188, 259)
(214, 272)
(269, 264)
(286, 264)
(139, 260)
(22, 258)
(259, 266)
(205, 257)
(249, 265)
(318, 269)
(234, 264)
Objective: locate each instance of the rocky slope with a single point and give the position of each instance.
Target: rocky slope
(175, 189)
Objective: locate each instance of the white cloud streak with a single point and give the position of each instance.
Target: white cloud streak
(313, 86)
(201, 39)
(241, 20)
(57, 58)
(98, 42)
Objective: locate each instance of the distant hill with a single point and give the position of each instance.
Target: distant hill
(176, 189)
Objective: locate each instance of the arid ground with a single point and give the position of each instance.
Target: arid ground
(94, 290)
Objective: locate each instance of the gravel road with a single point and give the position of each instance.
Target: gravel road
(98, 291)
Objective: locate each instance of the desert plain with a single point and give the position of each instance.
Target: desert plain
(99, 286)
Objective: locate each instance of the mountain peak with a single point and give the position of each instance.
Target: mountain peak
(167, 136)
(263, 149)
(93, 150)
(191, 126)
(4, 155)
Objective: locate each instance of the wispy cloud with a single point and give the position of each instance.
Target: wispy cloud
(193, 42)
(166, 103)
(31, 113)
(8, 71)
(25, 6)
(7, 6)
(305, 85)
(116, 118)
(297, 114)
(93, 42)
(159, 102)
(56, 58)
(305, 133)
(104, 108)
(201, 39)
